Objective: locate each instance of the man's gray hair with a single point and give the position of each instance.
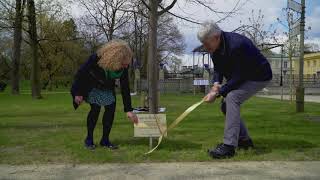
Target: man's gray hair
(207, 29)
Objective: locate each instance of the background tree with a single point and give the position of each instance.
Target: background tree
(256, 30)
(291, 43)
(6, 44)
(35, 70)
(153, 66)
(5, 68)
(15, 79)
(174, 64)
(61, 51)
(7, 10)
(54, 44)
(106, 15)
(170, 40)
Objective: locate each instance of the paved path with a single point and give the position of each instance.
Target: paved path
(168, 171)
(308, 98)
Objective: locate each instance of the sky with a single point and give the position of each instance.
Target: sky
(271, 9)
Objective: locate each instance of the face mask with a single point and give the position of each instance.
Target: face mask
(113, 74)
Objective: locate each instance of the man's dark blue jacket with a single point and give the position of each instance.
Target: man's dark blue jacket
(238, 60)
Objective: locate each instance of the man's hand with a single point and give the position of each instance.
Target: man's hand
(210, 97)
(78, 99)
(133, 117)
(216, 87)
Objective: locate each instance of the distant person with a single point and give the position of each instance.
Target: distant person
(95, 84)
(246, 70)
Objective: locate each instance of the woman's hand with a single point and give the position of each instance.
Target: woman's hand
(133, 117)
(78, 99)
(210, 97)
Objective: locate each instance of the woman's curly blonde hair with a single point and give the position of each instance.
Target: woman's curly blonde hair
(113, 54)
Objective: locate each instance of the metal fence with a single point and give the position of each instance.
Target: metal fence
(308, 81)
(169, 85)
(312, 85)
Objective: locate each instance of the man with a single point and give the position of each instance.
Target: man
(246, 70)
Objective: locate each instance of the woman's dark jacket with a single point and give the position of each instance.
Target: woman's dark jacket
(90, 76)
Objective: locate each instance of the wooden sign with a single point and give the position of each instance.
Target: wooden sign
(150, 125)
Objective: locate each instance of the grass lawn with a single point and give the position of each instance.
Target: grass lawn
(50, 131)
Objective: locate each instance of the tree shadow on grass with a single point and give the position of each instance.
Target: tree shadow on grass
(264, 146)
(166, 144)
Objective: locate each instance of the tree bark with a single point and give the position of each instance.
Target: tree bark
(35, 70)
(15, 73)
(153, 69)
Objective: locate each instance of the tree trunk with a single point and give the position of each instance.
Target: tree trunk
(15, 73)
(35, 70)
(140, 40)
(153, 69)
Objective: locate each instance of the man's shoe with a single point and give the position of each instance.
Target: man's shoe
(108, 144)
(222, 151)
(245, 144)
(88, 143)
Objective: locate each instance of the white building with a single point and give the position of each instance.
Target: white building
(276, 60)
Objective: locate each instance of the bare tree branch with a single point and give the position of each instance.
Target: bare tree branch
(6, 27)
(133, 11)
(188, 19)
(7, 5)
(167, 8)
(183, 18)
(233, 11)
(95, 18)
(211, 9)
(144, 3)
(108, 15)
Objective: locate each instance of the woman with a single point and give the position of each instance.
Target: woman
(95, 83)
